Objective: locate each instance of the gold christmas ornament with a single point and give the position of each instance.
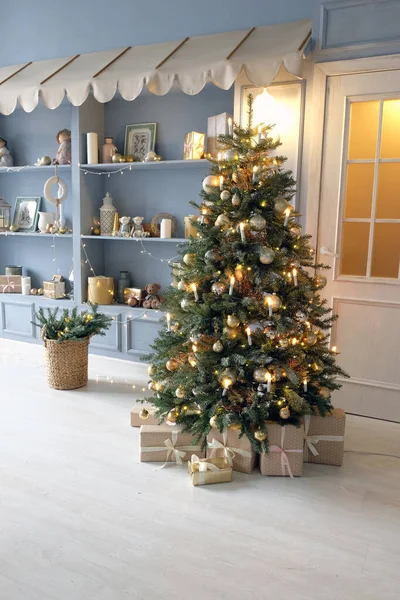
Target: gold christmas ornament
(185, 303)
(175, 327)
(260, 435)
(320, 281)
(317, 366)
(267, 255)
(257, 222)
(222, 221)
(230, 333)
(225, 195)
(63, 230)
(212, 256)
(34, 292)
(189, 259)
(218, 288)
(144, 414)
(324, 392)
(232, 321)
(228, 374)
(13, 228)
(218, 346)
(213, 422)
(274, 301)
(284, 413)
(180, 392)
(235, 426)
(172, 364)
(310, 338)
(210, 182)
(296, 230)
(260, 374)
(173, 415)
(284, 343)
(236, 201)
(280, 204)
(40, 292)
(230, 154)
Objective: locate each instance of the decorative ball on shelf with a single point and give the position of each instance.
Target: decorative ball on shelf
(284, 343)
(189, 259)
(172, 364)
(267, 255)
(325, 393)
(228, 374)
(210, 182)
(185, 303)
(320, 281)
(257, 222)
(173, 415)
(310, 338)
(280, 204)
(34, 292)
(180, 392)
(230, 154)
(132, 301)
(144, 414)
(275, 301)
(40, 292)
(218, 346)
(218, 288)
(296, 230)
(284, 413)
(53, 229)
(222, 221)
(212, 256)
(181, 285)
(64, 230)
(232, 321)
(225, 195)
(301, 316)
(260, 435)
(230, 333)
(116, 158)
(260, 374)
(13, 228)
(236, 201)
(214, 422)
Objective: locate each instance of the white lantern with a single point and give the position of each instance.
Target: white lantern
(5, 215)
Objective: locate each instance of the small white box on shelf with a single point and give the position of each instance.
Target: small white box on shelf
(54, 289)
(216, 125)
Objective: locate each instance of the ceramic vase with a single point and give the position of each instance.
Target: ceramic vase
(45, 218)
(108, 150)
(107, 214)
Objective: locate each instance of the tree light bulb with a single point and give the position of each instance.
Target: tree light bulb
(286, 212)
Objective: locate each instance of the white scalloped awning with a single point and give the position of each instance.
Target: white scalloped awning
(190, 63)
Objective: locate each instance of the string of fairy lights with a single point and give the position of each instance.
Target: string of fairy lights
(86, 170)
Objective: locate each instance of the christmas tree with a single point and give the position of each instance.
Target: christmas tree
(246, 336)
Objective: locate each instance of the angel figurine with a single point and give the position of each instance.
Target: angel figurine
(63, 156)
(6, 159)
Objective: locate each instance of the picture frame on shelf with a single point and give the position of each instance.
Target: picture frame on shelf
(26, 213)
(140, 138)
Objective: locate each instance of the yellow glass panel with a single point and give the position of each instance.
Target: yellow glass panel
(359, 182)
(390, 142)
(386, 250)
(363, 129)
(388, 198)
(354, 249)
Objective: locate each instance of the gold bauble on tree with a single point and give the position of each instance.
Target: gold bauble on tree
(225, 195)
(173, 415)
(260, 374)
(172, 364)
(320, 281)
(228, 374)
(325, 393)
(260, 435)
(257, 222)
(236, 201)
(218, 346)
(232, 321)
(310, 338)
(230, 333)
(284, 413)
(144, 414)
(213, 422)
(180, 392)
(235, 426)
(210, 182)
(189, 259)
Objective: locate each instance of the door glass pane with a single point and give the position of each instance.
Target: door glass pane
(363, 129)
(354, 249)
(388, 199)
(386, 250)
(359, 182)
(390, 142)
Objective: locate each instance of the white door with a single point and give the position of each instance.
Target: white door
(359, 237)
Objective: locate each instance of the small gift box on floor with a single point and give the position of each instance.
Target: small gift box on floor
(10, 284)
(238, 452)
(324, 438)
(144, 414)
(285, 456)
(162, 443)
(205, 471)
(193, 148)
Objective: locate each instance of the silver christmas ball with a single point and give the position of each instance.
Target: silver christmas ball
(210, 182)
(260, 374)
(232, 321)
(236, 200)
(311, 338)
(185, 303)
(296, 230)
(212, 256)
(225, 195)
(180, 392)
(228, 374)
(276, 302)
(218, 346)
(218, 288)
(267, 255)
(230, 154)
(181, 285)
(257, 222)
(189, 259)
(222, 221)
(301, 316)
(284, 413)
(320, 281)
(281, 204)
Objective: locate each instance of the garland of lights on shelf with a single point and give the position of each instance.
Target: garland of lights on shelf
(86, 170)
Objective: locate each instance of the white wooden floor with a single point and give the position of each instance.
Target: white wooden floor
(81, 519)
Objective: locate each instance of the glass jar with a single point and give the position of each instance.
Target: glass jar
(124, 281)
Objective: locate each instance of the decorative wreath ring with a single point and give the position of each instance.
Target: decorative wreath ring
(156, 221)
(62, 186)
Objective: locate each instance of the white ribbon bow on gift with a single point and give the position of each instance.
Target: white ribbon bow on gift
(284, 457)
(228, 452)
(9, 286)
(204, 466)
(311, 440)
(170, 444)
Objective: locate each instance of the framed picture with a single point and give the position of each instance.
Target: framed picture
(140, 139)
(26, 213)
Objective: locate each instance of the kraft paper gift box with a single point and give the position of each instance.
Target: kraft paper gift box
(238, 452)
(285, 456)
(216, 125)
(152, 419)
(324, 438)
(162, 443)
(204, 471)
(137, 293)
(10, 284)
(54, 289)
(193, 148)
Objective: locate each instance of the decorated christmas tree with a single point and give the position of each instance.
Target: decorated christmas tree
(247, 332)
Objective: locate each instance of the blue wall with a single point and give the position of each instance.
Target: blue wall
(49, 28)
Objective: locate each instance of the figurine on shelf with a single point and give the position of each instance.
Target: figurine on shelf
(152, 299)
(63, 156)
(6, 159)
(108, 150)
(152, 157)
(124, 229)
(137, 229)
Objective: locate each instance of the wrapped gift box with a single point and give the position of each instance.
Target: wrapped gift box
(324, 438)
(237, 451)
(205, 471)
(216, 125)
(135, 292)
(285, 456)
(10, 284)
(54, 289)
(136, 421)
(193, 145)
(162, 443)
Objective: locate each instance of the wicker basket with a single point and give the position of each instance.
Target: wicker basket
(66, 362)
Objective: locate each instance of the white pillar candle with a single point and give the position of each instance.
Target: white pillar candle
(241, 227)
(168, 321)
(165, 228)
(221, 183)
(269, 302)
(92, 148)
(219, 159)
(248, 331)
(255, 174)
(194, 290)
(226, 383)
(269, 379)
(231, 285)
(305, 385)
(287, 215)
(26, 286)
(295, 281)
(259, 133)
(230, 131)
